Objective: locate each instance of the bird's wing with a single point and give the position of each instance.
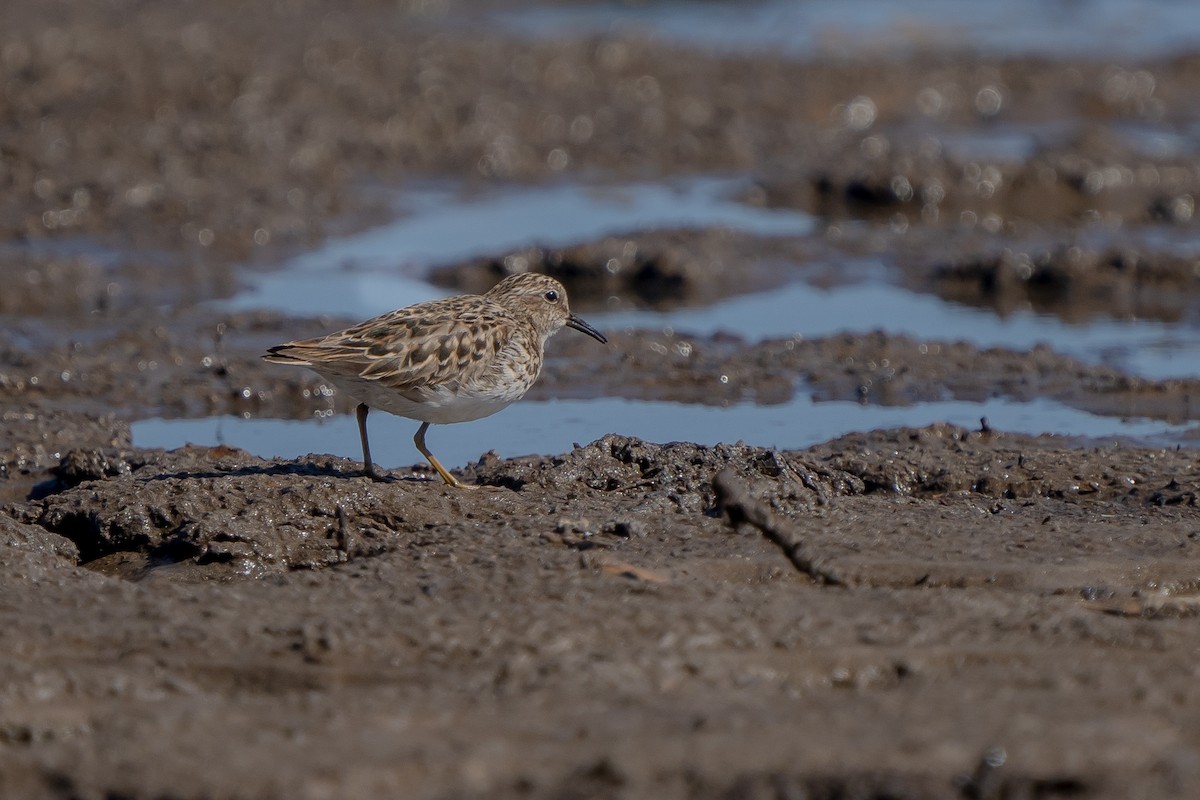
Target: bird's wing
(432, 344)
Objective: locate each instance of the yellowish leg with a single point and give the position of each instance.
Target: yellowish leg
(419, 441)
(369, 468)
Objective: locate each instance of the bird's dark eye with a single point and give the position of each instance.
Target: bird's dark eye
(552, 296)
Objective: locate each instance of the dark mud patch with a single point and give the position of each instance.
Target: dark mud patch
(231, 511)
(871, 368)
(34, 440)
(648, 269)
(903, 177)
(221, 508)
(1075, 282)
(193, 364)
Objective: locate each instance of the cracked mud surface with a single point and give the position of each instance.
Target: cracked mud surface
(931, 612)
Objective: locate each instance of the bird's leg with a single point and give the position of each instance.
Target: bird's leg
(368, 467)
(419, 441)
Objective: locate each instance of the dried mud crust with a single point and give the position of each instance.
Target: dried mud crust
(993, 592)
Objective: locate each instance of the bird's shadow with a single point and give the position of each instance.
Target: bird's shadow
(286, 470)
(57, 485)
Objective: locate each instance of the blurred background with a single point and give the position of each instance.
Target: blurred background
(797, 219)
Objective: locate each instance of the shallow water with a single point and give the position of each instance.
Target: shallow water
(555, 426)
(1117, 28)
(374, 271)
(1142, 347)
(379, 269)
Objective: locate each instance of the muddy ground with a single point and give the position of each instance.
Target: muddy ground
(935, 612)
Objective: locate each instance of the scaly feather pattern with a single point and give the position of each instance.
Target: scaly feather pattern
(450, 360)
(454, 340)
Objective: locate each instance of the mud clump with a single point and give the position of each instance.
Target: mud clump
(1074, 283)
(868, 368)
(926, 182)
(231, 510)
(219, 506)
(644, 269)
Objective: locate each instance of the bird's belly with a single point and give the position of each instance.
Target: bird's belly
(438, 405)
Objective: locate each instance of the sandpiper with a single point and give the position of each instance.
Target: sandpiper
(451, 360)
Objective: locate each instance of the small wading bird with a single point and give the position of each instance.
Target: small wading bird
(450, 360)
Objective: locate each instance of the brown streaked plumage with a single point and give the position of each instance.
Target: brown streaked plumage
(450, 360)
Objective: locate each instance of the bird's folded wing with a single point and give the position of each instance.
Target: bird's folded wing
(406, 351)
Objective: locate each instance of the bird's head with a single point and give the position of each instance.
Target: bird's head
(544, 300)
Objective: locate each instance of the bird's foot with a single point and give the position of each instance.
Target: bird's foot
(377, 475)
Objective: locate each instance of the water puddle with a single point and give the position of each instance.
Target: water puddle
(1149, 349)
(67, 248)
(1080, 28)
(1009, 144)
(375, 271)
(555, 426)
(380, 269)
(1157, 141)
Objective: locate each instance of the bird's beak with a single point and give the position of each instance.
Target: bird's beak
(579, 325)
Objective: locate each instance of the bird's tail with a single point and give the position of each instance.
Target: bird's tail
(281, 355)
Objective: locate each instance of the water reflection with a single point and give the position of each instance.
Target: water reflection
(1121, 28)
(554, 426)
(378, 270)
(1141, 347)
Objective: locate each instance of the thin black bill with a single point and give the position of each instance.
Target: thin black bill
(579, 325)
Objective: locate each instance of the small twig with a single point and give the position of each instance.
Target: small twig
(741, 508)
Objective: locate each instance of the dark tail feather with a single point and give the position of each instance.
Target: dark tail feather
(276, 355)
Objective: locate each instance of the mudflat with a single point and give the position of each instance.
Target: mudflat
(919, 612)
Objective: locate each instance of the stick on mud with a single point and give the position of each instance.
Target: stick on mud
(742, 509)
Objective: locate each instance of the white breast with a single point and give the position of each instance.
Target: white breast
(438, 405)
(507, 379)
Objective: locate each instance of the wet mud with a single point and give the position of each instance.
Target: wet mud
(931, 612)
(658, 269)
(645, 619)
